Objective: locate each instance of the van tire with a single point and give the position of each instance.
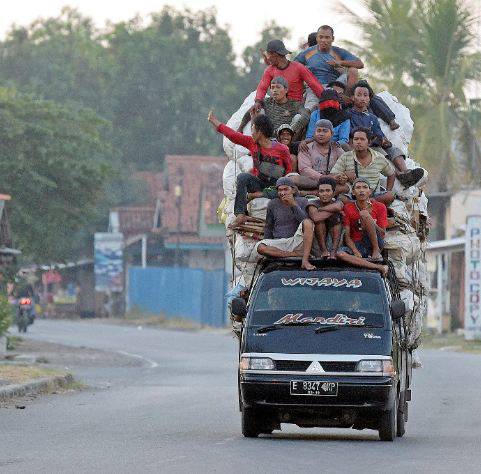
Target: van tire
(250, 428)
(388, 424)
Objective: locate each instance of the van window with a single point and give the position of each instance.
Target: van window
(320, 294)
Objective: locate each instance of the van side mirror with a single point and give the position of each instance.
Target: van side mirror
(238, 307)
(398, 309)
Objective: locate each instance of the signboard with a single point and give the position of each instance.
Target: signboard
(472, 302)
(108, 261)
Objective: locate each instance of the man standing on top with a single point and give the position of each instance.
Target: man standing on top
(366, 163)
(272, 160)
(365, 222)
(295, 73)
(361, 117)
(328, 63)
(288, 231)
(280, 109)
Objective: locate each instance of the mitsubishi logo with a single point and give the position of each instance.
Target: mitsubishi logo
(315, 367)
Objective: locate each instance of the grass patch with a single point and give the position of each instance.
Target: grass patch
(13, 342)
(13, 373)
(455, 342)
(140, 317)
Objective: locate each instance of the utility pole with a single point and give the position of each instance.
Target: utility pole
(178, 200)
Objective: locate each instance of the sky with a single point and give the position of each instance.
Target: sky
(245, 17)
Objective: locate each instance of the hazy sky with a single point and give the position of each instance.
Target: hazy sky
(245, 17)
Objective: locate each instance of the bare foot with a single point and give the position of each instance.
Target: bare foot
(324, 254)
(383, 269)
(239, 220)
(307, 266)
(333, 255)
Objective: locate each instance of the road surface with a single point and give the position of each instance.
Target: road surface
(177, 413)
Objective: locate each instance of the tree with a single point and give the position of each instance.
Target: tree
(422, 51)
(52, 166)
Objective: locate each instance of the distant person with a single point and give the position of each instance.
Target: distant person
(294, 72)
(280, 109)
(328, 63)
(325, 212)
(361, 117)
(271, 159)
(365, 222)
(368, 164)
(288, 231)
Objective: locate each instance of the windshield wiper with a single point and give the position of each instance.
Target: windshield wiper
(273, 327)
(335, 327)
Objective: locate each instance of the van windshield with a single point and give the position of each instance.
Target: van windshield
(327, 298)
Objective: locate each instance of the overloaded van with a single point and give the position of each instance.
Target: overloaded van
(322, 348)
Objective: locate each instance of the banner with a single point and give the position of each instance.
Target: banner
(108, 258)
(472, 302)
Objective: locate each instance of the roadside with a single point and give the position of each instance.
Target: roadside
(450, 342)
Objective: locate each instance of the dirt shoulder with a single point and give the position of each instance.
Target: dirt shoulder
(450, 342)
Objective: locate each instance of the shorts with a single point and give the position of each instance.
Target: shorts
(288, 244)
(364, 246)
(391, 152)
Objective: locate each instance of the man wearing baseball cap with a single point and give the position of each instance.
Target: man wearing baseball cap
(288, 231)
(295, 73)
(365, 222)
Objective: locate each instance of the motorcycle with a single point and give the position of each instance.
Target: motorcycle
(25, 314)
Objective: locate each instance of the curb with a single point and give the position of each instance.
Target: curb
(35, 387)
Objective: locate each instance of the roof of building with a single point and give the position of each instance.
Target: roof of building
(198, 181)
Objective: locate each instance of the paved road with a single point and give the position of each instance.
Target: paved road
(178, 414)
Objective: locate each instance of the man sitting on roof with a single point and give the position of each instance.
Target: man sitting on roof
(361, 117)
(271, 159)
(319, 158)
(280, 109)
(295, 73)
(376, 105)
(328, 63)
(330, 109)
(365, 222)
(364, 162)
(325, 212)
(288, 231)
(285, 135)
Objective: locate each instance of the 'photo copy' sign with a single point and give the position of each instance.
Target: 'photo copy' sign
(472, 304)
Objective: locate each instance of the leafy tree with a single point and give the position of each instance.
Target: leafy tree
(53, 169)
(422, 51)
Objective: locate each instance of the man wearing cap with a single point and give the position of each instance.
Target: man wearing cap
(330, 108)
(280, 109)
(288, 231)
(295, 73)
(365, 222)
(321, 155)
(285, 135)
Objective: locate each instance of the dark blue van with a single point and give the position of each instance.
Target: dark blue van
(322, 348)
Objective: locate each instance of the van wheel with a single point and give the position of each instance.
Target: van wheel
(401, 421)
(250, 429)
(388, 424)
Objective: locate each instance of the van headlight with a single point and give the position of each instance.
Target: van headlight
(256, 363)
(385, 367)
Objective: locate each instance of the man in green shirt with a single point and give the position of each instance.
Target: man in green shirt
(366, 163)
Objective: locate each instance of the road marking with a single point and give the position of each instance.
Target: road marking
(152, 363)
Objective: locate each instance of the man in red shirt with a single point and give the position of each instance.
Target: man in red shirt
(271, 159)
(295, 73)
(365, 222)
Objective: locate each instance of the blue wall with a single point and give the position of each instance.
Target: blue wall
(188, 293)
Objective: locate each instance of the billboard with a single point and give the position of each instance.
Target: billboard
(472, 302)
(108, 261)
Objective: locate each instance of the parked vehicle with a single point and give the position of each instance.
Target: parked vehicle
(323, 348)
(25, 314)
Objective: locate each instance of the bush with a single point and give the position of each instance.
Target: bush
(6, 314)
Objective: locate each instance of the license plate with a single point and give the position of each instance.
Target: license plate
(309, 387)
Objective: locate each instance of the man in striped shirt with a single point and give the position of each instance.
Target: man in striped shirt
(366, 163)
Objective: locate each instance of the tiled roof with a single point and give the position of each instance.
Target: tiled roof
(201, 180)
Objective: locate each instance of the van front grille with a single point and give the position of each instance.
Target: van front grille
(328, 366)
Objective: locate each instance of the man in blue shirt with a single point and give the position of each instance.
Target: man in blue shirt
(328, 62)
(361, 117)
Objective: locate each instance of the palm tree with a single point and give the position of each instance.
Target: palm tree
(422, 51)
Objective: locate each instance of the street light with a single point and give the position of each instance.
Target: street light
(178, 195)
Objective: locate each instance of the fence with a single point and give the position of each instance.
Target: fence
(188, 293)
